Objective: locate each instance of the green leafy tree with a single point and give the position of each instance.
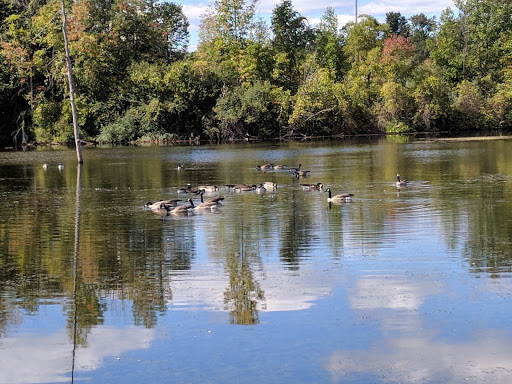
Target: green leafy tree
(247, 111)
(432, 95)
(470, 46)
(290, 29)
(421, 34)
(105, 45)
(6, 9)
(170, 102)
(329, 43)
(469, 106)
(12, 87)
(256, 63)
(292, 41)
(226, 29)
(147, 30)
(19, 57)
(500, 104)
(486, 26)
(398, 24)
(363, 49)
(173, 27)
(395, 108)
(317, 108)
(362, 90)
(448, 47)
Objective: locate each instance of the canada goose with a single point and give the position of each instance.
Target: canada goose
(265, 166)
(209, 204)
(293, 170)
(340, 198)
(160, 204)
(208, 188)
(231, 187)
(400, 182)
(162, 210)
(181, 209)
(269, 185)
(216, 200)
(195, 191)
(185, 189)
(301, 173)
(154, 206)
(244, 188)
(60, 166)
(239, 187)
(280, 166)
(171, 203)
(159, 208)
(312, 187)
(189, 189)
(261, 189)
(180, 167)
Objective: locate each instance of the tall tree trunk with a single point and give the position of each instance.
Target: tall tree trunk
(71, 87)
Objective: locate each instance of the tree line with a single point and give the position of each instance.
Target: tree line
(136, 81)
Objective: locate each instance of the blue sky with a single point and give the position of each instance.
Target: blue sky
(314, 10)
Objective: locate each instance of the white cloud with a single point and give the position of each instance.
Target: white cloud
(344, 19)
(194, 13)
(307, 7)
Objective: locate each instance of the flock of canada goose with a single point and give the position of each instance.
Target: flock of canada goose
(187, 206)
(176, 207)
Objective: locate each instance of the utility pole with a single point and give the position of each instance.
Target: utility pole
(71, 87)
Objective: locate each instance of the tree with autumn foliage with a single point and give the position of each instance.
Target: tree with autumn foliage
(395, 109)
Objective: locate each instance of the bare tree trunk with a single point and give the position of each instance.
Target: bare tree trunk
(71, 87)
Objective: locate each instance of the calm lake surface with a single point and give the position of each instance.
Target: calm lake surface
(398, 286)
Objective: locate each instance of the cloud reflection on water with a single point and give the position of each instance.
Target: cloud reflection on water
(283, 290)
(484, 358)
(392, 292)
(411, 350)
(38, 358)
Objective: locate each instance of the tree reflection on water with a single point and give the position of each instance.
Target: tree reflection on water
(244, 292)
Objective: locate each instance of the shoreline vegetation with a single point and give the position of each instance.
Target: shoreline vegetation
(249, 81)
(427, 136)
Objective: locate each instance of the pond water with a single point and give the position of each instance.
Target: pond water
(409, 285)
